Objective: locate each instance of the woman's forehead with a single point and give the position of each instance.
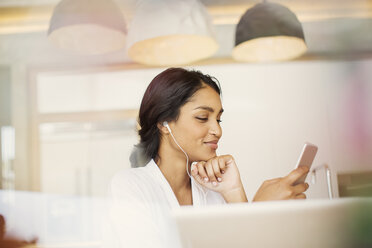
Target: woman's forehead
(206, 96)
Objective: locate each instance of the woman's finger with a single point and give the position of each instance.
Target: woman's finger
(227, 159)
(299, 188)
(216, 169)
(222, 165)
(300, 196)
(296, 174)
(201, 171)
(195, 173)
(210, 172)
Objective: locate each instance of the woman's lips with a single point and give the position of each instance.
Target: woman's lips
(212, 144)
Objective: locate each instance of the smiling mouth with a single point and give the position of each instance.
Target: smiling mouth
(212, 144)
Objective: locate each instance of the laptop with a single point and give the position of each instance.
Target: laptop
(293, 223)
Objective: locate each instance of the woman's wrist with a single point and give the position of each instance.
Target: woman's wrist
(235, 195)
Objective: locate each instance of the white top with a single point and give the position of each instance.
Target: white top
(142, 200)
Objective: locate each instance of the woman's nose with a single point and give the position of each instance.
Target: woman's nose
(216, 130)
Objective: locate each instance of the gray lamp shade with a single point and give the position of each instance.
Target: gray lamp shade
(268, 32)
(88, 26)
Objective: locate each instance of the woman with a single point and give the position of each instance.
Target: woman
(179, 119)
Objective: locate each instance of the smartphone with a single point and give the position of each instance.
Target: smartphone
(306, 159)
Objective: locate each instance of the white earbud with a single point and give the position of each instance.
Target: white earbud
(165, 124)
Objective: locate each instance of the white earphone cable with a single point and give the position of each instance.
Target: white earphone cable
(187, 157)
(187, 164)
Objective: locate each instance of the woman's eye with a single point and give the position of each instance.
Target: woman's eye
(202, 119)
(206, 119)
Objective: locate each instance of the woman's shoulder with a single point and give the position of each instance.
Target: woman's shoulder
(129, 176)
(137, 186)
(132, 181)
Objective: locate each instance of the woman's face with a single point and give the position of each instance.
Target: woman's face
(198, 129)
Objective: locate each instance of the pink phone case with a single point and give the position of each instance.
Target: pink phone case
(306, 159)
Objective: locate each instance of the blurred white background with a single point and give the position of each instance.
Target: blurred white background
(74, 116)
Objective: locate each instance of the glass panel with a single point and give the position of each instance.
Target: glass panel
(80, 158)
(7, 144)
(93, 91)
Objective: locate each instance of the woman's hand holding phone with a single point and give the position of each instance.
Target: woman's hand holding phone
(292, 186)
(284, 188)
(220, 174)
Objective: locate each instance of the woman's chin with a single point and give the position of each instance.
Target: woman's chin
(206, 157)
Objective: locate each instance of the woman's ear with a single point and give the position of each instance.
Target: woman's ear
(163, 129)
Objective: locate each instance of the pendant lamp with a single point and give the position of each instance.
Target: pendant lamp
(268, 32)
(87, 26)
(169, 32)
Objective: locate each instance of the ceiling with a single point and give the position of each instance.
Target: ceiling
(330, 26)
(33, 15)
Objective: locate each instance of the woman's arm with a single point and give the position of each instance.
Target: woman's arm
(235, 195)
(221, 174)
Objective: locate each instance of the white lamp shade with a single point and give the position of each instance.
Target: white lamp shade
(168, 32)
(88, 26)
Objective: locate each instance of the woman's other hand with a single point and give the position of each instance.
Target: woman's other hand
(220, 174)
(283, 188)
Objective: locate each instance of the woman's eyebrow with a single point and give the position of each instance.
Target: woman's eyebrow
(209, 109)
